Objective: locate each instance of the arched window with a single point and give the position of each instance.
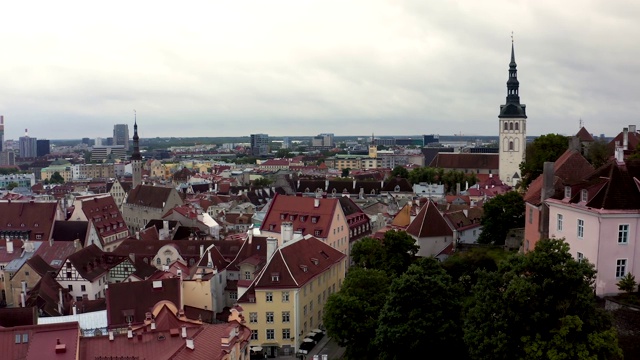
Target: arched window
(158, 261)
(510, 145)
(510, 126)
(191, 262)
(517, 126)
(168, 261)
(506, 126)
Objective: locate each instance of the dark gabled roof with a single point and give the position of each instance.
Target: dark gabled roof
(403, 185)
(151, 196)
(91, 262)
(584, 135)
(429, 223)
(36, 217)
(570, 167)
(187, 249)
(18, 316)
(431, 152)
(137, 298)
(614, 186)
(40, 266)
(70, 230)
(466, 161)
(45, 295)
(252, 246)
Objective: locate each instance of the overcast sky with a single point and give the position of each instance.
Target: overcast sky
(351, 67)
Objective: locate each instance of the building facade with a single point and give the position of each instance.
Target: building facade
(512, 123)
(121, 135)
(259, 144)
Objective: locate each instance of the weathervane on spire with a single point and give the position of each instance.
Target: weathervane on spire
(512, 37)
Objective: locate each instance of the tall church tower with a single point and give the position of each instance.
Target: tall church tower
(136, 158)
(512, 129)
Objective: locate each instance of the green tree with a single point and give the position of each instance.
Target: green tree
(463, 265)
(598, 153)
(539, 306)
(400, 171)
(345, 172)
(501, 213)
(628, 283)
(283, 153)
(351, 314)
(261, 182)
(368, 253)
(12, 185)
(394, 253)
(56, 178)
(544, 148)
(422, 312)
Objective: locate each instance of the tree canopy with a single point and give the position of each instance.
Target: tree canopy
(598, 153)
(501, 213)
(351, 314)
(448, 178)
(56, 178)
(394, 253)
(544, 148)
(422, 312)
(539, 306)
(400, 171)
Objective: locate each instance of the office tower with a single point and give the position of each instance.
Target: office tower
(121, 135)
(42, 147)
(86, 141)
(259, 144)
(28, 145)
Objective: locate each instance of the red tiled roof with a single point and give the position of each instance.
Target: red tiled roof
(103, 212)
(429, 223)
(301, 211)
(296, 263)
(137, 298)
(570, 167)
(584, 135)
(36, 217)
(42, 341)
(151, 196)
(466, 161)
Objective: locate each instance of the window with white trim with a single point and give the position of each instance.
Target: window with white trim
(269, 297)
(269, 317)
(580, 256)
(559, 222)
(621, 267)
(580, 228)
(623, 233)
(254, 334)
(253, 317)
(584, 195)
(271, 334)
(285, 296)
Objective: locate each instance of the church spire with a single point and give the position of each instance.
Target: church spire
(136, 140)
(512, 107)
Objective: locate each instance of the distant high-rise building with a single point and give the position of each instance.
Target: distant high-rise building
(42, 147)
(430, 139)
(108, 141)
(259, 144)
(86, 141)
(286, 142)
(28, 145)
(1, 132)
(323, 140)
(121, 135)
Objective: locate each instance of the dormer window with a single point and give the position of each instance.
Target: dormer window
(275, 277)
(304, 268)
(314, 261)
(584, 195)
(567, 191)
(314, 219)
(303, 218)
(272, 227)
(397, 188)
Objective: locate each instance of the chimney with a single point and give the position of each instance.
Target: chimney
(184, 331)
(209, 260)
(201, 250)
(76, 243)
(286, 230)
(75, 309)
(130, 333)
(632, 128)
(619, 154)
(22, 299)
(132, 256)
(272, 245)
(60, 301)
(574, 143)
(457, 188)
(153, 324)
(625, 138)
(9, 246)
(316, 202)
(51, 241)
(190, 344)
(24, 286)
(110, 335)
(60, 348)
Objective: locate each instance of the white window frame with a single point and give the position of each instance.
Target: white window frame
(559, 221)
(580, 229)
(580, 256)
(621, 268)
(623, 233)
(271, 334)
(269, 296)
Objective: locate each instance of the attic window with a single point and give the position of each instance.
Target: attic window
(303, 218)
(314, 261)
(304, 268)
(317, 233)
(272, 227)
(567, 191)
(397, 188)
(314, 219)
(275, 277)
(584, 195)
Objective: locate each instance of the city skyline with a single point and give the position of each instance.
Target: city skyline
(292, 68)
